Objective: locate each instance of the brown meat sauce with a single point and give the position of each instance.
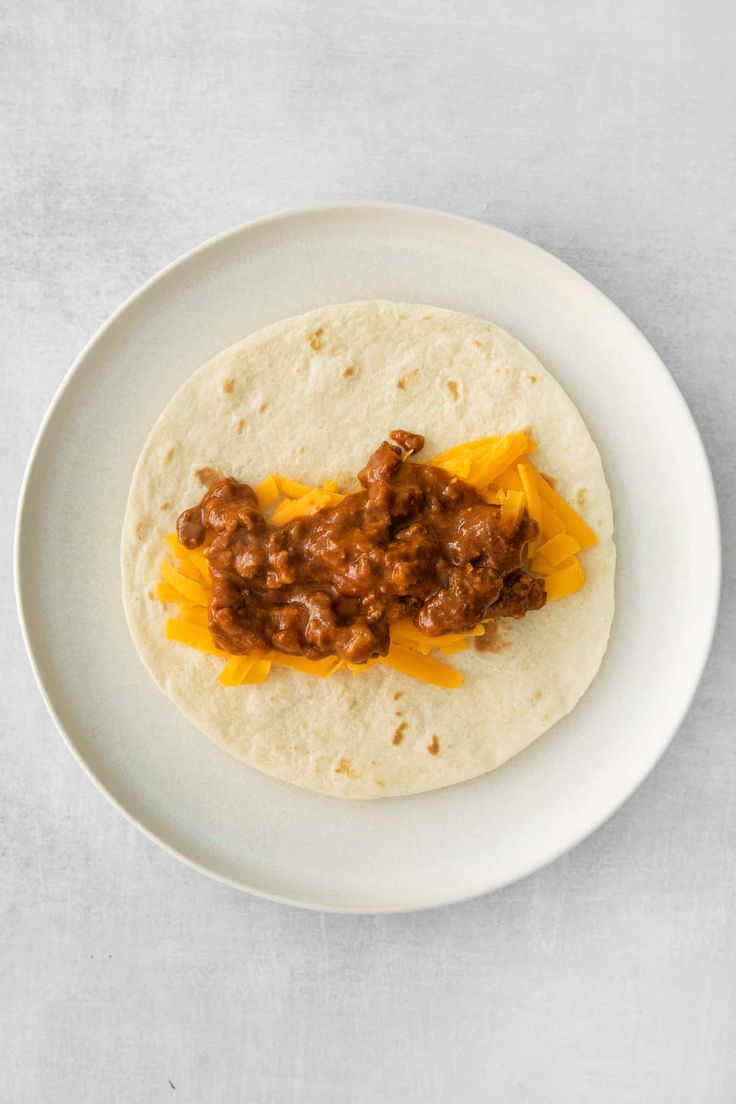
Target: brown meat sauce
(414, 542)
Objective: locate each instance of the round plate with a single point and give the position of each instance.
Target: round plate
(265, 836)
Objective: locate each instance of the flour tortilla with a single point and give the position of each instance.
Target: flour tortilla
(311, 397)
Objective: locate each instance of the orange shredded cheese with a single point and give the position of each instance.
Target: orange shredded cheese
(528, 477)
(408, 635)
(498, 458)
(291, 488)
(188, 589)
(421, 667)
(558, 549)
(322, 668)
(267, 492)
(509, 480)
(572, 521)
(512, 509)
(194, 615)
(564, 582)
(236, 669)
(311, 501)
(551, 524)
(166, 593)
(259, 672)
(193, 635)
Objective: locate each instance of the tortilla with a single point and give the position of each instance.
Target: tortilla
(311, 397)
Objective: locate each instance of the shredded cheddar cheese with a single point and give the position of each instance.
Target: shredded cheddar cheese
(564, 582)
(193, 591)
(558, 549)
(267, 492)
(499, 468)
(512, 508)
(422, 667)
(571, 521)
(551, 523)
(193, 635)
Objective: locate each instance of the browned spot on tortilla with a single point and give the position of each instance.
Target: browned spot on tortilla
(398, 713)
(580, 497)
(169, 456)
(537, 696)
(478, 343)
(315, 341)
(302, 449)
(228, 386)
(334, 350)
(454, 389)
(546, 716)
(532, 379)
(403, 316)
(240, 426)
(492, 640)
(349, 371)
(353, 703)
(346, 767)
(165, 506)
(406, 378)
(140, 530)
(433, 747)
(426, 317)
(398, 735)
(207, 476)
(380, 782)
(151, 594)
(263, 408)
(398, 694)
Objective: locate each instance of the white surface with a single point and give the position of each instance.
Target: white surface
(604, 132)
(283, 841)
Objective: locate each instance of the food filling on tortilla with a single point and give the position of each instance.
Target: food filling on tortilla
(420, 558)
(385, 592)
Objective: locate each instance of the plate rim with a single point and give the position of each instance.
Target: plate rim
(711, 542)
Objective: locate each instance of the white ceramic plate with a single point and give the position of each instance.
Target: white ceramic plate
(262, 835)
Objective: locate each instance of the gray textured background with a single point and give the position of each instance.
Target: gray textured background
(603, 131)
